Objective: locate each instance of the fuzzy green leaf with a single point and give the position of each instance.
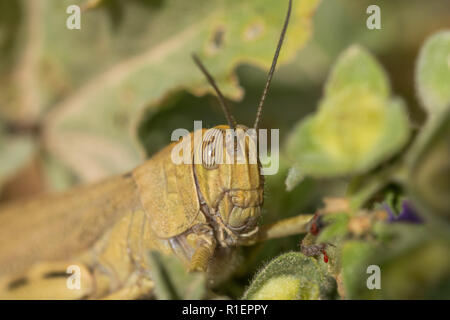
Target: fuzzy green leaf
(357, 125)
(291, 276)
(356, 67)
(352, 133)
(433, 73)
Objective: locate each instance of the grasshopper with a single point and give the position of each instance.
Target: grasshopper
(198, 212)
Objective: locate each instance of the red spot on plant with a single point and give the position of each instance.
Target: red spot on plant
(314, 229)
(314, 226)
(325, 256)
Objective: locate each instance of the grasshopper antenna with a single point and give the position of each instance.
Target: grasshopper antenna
(272, 68)
(231, 122)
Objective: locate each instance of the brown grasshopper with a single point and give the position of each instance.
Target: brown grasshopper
(198, 212)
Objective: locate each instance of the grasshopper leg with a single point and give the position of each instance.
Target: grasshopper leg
(204, 245)
(201, 258)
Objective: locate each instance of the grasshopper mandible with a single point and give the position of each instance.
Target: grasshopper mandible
(198, 212)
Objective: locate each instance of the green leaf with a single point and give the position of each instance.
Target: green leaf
(356, 67)
(352, 133)
(172, 281)
(433, 73)
(292, 276)
(356, 127)
(93, 99)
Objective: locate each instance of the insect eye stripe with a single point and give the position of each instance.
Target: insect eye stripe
(210, 150)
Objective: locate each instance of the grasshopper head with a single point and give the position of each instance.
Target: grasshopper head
(231, 194)
(229, 182)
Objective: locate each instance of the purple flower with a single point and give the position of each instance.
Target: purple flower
(408, 214)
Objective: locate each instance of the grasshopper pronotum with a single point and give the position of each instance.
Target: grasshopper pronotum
(198, 212)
